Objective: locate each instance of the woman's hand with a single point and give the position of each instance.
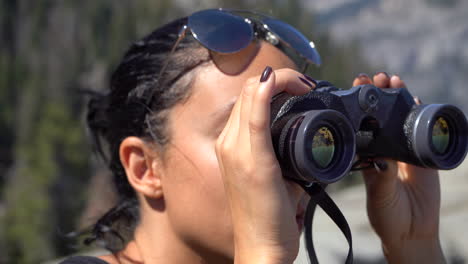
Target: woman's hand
(263, 205)
(403, 202)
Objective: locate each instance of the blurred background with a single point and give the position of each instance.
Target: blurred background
(52, 184)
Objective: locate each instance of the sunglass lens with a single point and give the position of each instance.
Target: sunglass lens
(220, 31)
(295, 39)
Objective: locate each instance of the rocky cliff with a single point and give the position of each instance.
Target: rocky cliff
(424, 41)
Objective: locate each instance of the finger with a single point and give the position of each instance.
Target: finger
(220, 145)
(382, 80)
(233, 130)
(223, 133)
(396, 82)
(292, 82)
(228, 135)
(362, 79)
(226, 145)
(417, 100)
(286, 80)
(247, 95)
(380, 186)
(259, 119)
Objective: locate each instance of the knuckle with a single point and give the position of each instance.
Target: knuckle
(287, 71)
(252, 80)
(249, 171)
(260, 179)
(218, 146)
(249, 88)
(257, 126)
(225, 148)
(251, 175)
(247, 92)
(222, 147)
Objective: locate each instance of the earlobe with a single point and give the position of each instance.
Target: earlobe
(141, 166)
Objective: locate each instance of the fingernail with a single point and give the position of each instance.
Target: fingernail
(266, 74)
(395, 77)
(363, 76)
(381, 164)
(306, 82)
(417, 100)
(382, 72)
(310, 79)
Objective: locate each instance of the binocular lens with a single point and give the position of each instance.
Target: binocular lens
(439, 138)
(323, 147)
(441, 135)
(315, 146)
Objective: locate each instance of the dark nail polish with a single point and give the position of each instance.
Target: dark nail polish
(266, 74)
(383, 166)
(363, 76)
(306, 82)
(386, 74)
(310, 79)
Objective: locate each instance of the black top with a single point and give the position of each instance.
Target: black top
(83, 260)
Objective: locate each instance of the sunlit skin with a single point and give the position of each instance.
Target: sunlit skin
(403, 203)
(216, 194)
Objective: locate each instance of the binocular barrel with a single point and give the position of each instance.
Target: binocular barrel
(434, 136)
(317, 136)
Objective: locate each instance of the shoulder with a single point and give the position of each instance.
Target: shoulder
(83, 260)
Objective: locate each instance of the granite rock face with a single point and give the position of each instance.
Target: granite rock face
(424, 41)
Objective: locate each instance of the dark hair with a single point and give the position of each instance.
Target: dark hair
(148, 82)
(137, 104)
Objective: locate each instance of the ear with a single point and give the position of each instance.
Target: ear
(141, 165)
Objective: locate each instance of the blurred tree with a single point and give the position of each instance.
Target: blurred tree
(50, 50)
(53, 48)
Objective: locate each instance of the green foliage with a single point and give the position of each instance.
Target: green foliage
(54, 150)
(52, 48)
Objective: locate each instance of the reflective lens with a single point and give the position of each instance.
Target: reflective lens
(294, 38)
(323, 147)
(220, 31)
(224, 32)
(441, 135)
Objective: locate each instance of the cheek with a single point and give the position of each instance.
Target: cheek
(194, 194)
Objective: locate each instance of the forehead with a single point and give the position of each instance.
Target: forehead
(213, 88)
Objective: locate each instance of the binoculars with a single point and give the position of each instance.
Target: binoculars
(316, 136)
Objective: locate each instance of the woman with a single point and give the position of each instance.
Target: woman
(186, 126)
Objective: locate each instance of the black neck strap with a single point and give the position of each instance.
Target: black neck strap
(319, 197)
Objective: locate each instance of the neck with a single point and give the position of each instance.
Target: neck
(155, 241)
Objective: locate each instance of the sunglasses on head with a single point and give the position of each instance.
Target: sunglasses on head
(225, 32)
(229, 31)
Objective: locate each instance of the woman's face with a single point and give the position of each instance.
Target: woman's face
(194, 195)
